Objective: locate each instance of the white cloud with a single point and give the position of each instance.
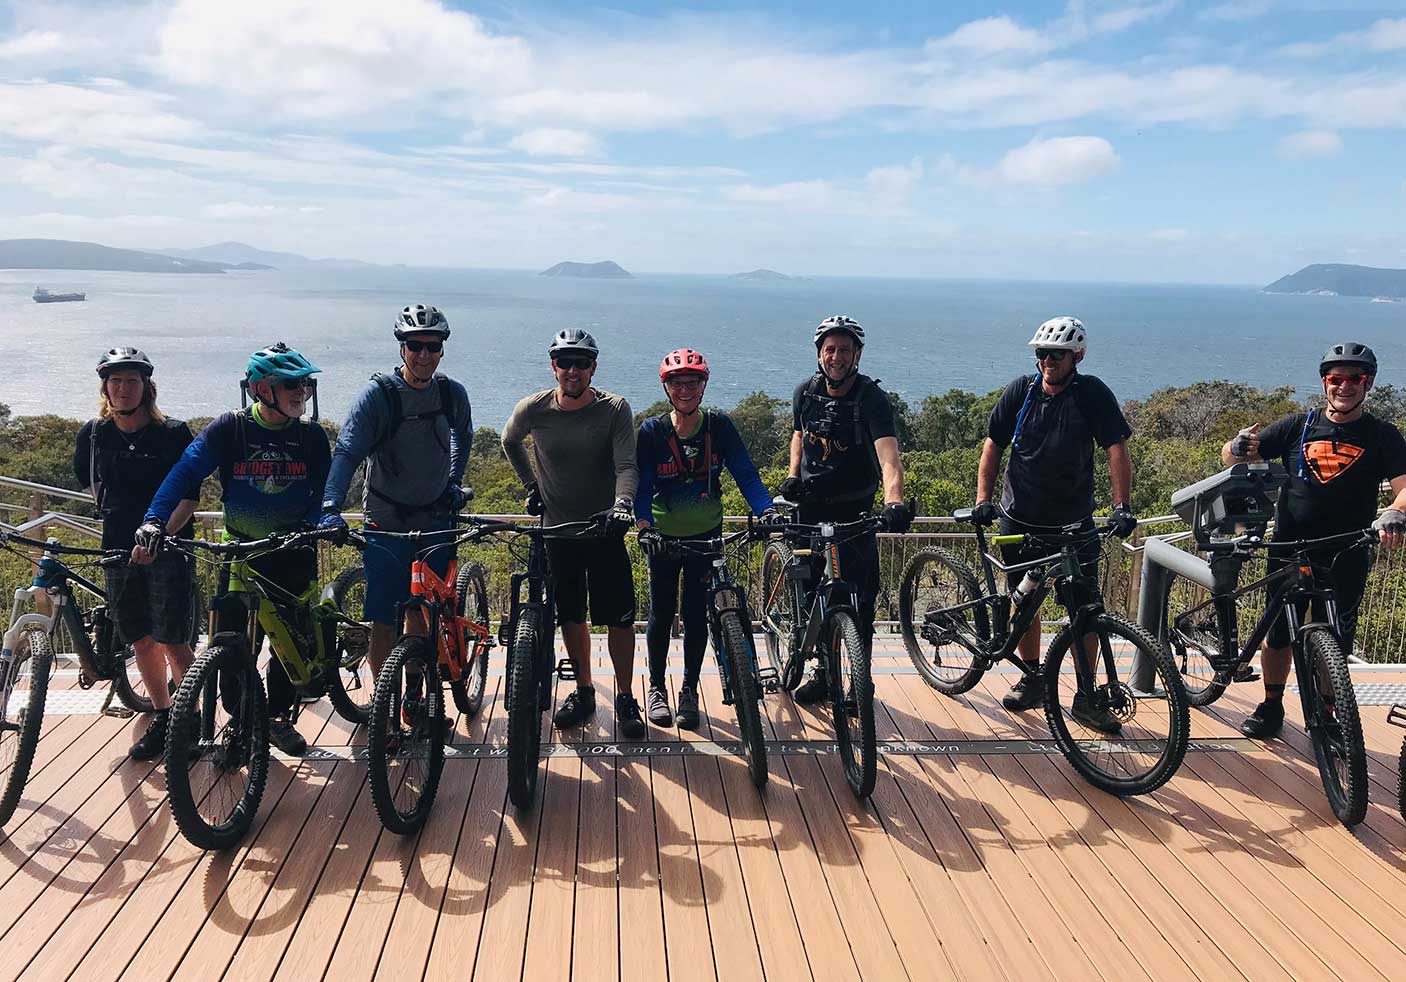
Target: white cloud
(95, 113)
(1058, 161)
(895, 183)
(31, 44)
(1310, 143)
(1235, 11)
(1382, 36)
(556, 143)
(1386, 35)
(992, 35)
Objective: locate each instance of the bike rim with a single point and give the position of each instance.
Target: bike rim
(221, 774)
(412, 744)
(946, 657)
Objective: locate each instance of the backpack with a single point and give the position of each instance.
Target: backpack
(693, 473)
(1081, 401)
(813, 396)
(397, 416)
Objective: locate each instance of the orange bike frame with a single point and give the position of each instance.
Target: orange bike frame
(455, 632)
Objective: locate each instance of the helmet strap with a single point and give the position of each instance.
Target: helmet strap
(411, 372)
(1343, 414)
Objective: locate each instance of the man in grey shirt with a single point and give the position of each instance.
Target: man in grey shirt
(583, 463)
(415, 429)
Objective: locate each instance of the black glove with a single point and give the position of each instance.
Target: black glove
(791, 489)
(1123, 521)
(533, 503)
(896, 517)
(149, 537)
(1391, 520)
(622, 516)
(651, 542)
(984, 513)
(769, 517)
(457, 497)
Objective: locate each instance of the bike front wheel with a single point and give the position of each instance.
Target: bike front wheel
(939, 640)
(737, 650)
(852, 702)
(1334, 728)
(472, 588)
(217, 748)
(524, 710)
(1121, 739)
(23, 716)
(405, 737)
(779, 616)
(350, 685)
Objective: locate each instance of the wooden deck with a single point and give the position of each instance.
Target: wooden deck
(666, 865)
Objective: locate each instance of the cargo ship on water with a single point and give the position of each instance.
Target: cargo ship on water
(42, 295)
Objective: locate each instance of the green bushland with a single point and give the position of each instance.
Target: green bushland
(1178, 433)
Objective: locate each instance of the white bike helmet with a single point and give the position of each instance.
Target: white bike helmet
(1065, 333)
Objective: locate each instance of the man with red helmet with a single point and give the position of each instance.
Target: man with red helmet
(681, 456)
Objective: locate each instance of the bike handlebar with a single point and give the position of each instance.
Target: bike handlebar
(48, 545)
(271, 543)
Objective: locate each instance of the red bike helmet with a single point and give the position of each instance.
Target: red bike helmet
(682, 361)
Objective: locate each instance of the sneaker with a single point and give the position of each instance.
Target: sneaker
(812, 689)
(152, 743)
(657, 702)
(576, 708)
(688, 707)
(1266, 721)
(1095, 717)
(627, 716)
(1027, 693)
(286, 737)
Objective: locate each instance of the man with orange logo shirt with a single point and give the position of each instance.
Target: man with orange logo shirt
(1337, 457)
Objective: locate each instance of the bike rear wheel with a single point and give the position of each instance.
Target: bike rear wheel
(24, 716)
(780, 620)
(524, 712)
(933, 580)
(1401, 780)
(405, 738)
(1122, 741)
(1334, 728)
(217, 758)
(852, 702)
(1192, 646)
(737, 650)
(351, 687)
(472, 588)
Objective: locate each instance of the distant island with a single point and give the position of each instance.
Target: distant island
(764, 276)
(592, 271)
(243, 256)
(61, 254)
(1342, 280)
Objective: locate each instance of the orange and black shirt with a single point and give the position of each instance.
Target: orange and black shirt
(1334, 468)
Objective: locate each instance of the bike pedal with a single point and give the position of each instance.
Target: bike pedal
(566, 670)
(768, 679)
(1245, 673)
(1397, 715)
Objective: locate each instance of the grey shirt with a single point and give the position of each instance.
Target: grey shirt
(582, 460)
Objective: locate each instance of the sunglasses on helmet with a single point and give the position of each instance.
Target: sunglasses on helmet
(415, 347)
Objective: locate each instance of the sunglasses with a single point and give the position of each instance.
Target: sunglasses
(1050, 354)
(567, 364)
(296, 384)
(415, 347)
(1335, 379)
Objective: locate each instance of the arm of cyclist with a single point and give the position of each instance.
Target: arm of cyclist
(985, 511)
(898, 517)
(83, 458)
(319, 471)
(515, 433)
(645, 463)
(200, 460)
(365, 423)
(1120, 479)
(149, 536)
(1244, 445)
(739, 464)
(1391, 523)
(461, 436)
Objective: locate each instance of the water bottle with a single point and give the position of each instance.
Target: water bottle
(1028, 585)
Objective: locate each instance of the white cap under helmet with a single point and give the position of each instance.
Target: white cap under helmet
(1065, 333)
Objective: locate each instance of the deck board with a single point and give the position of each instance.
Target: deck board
(971, 866)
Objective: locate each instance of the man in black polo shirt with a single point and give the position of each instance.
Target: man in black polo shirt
(1051, 421)
(843, 442)
(1337, 458)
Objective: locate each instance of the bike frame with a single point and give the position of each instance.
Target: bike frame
(531, 589)
(726, 594)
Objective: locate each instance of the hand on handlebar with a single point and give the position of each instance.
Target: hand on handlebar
(791, 489)
(897, 517)
(1123, 521)
(532, 504)
(651, 542)
(984, 513)
(1390, 527)
(332, 519)
(147, 543)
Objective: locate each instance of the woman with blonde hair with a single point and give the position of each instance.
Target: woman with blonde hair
(123, 456)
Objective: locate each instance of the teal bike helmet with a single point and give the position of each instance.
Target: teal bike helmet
(278, 361)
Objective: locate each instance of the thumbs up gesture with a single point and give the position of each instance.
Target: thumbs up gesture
(1247, 442)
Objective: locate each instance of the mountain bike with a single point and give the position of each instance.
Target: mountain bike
(529, 630)
(1397, 716)
(730, 624)
(811, 612)
(1320, 665)
(217, 741)
(1122, 740)
(406, 736)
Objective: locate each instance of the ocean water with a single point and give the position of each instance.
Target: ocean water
(926, 336)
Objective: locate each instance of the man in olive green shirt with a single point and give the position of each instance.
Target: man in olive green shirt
(583, 463)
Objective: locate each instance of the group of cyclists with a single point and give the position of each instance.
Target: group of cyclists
(578, 454)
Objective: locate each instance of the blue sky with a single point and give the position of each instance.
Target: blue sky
(1140, 140)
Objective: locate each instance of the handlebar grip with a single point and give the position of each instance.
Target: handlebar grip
(1012, 539)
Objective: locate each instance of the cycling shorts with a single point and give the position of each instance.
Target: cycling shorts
(1347, 571)
(153, 601)
(595, 571)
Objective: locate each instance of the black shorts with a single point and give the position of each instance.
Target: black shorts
(1029, 550)
(153, 601)
(597, 570)
(1347, 571)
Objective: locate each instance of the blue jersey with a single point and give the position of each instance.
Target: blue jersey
(271, 478)
(680, 480)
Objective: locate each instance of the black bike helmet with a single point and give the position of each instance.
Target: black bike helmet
(119, 358)
(1348, 353)
(573, 340)
(421, 318)
(839, 322)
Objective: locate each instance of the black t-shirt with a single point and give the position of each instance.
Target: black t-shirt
(129, 468)
(1050, 475)
(838, 460)
(1334, 471)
